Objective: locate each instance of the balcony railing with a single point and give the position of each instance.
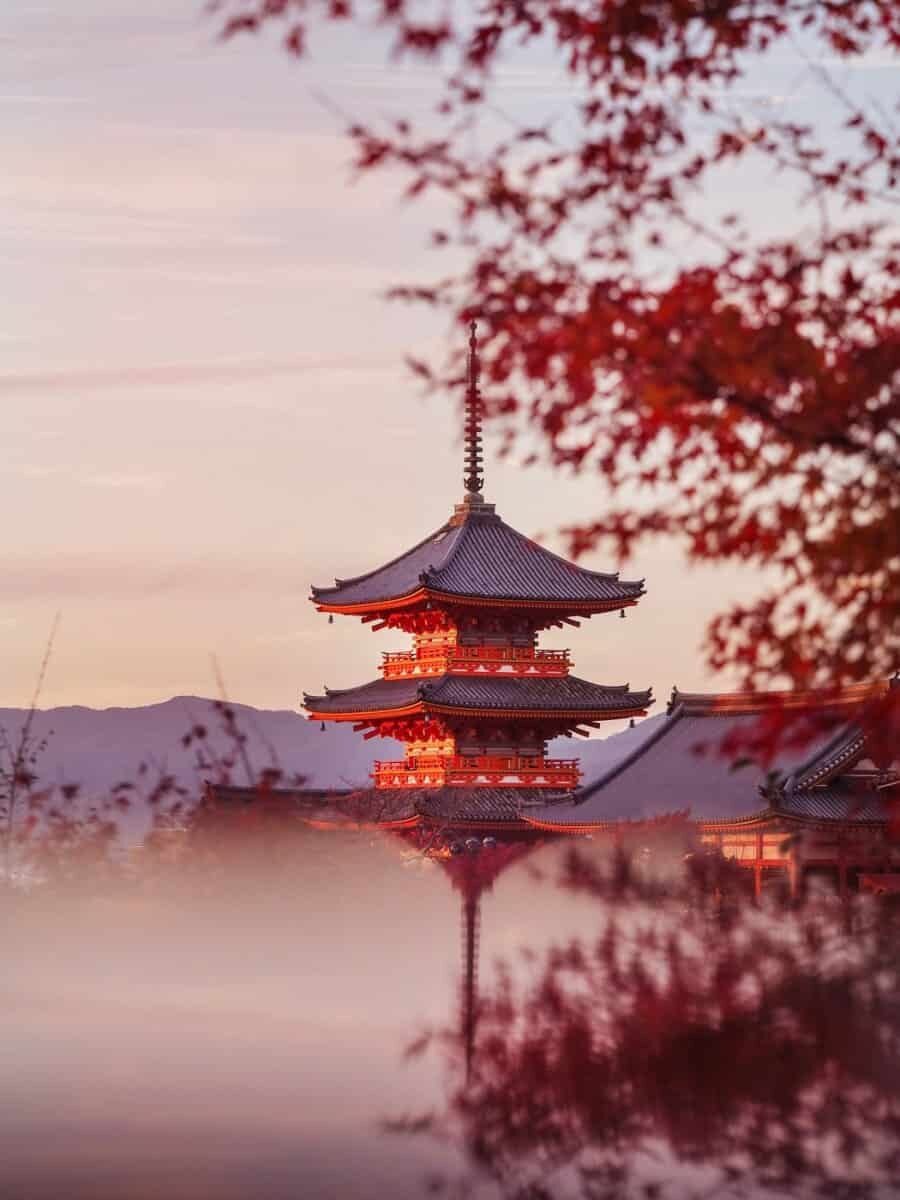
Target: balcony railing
(475, 660)
(495, 770)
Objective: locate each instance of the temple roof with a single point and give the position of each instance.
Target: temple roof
(839, 801)
(828, 759)
(465, 805)
(553, 694)
(477, 554)
(484, 803)
(681, 768)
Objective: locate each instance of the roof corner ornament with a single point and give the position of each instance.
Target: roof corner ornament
(474, 477)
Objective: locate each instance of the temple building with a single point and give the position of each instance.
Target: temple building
(822, 808)
(475, 700)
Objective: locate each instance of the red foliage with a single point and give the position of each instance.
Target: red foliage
(684, 1049)
(738, 393)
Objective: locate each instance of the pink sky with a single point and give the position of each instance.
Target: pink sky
(203, 404)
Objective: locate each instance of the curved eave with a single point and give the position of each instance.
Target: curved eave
(767, 816)
(665, 820)
(348, 825)
(423, 595)
(771, 815)
(582, 605)
(365, 714)
(546, 714)
(423, 706)
(364, 607)
(513, 825)
(843, 753)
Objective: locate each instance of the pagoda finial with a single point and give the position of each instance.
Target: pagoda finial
(474, 477)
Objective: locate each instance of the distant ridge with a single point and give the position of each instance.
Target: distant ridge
(98, 748)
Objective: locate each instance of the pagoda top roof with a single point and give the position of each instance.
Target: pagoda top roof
(682, 765)
(477, 555)
(558, 695)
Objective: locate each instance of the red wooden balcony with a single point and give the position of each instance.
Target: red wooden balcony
(475, 660)
(491, 770)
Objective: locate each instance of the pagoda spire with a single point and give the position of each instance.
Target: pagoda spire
(474, 465)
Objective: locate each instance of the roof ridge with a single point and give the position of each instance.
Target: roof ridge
(840, 751)
(446, 529)
(712, 702)
(463, 528)
(672, 719)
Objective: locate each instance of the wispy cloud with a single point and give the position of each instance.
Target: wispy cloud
(92, 576)
(136, 480)
(37, 98)
(38, 470)
(179, 374)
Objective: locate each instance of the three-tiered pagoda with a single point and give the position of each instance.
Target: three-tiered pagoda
(476, 700)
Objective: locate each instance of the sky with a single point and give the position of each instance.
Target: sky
(203, 402)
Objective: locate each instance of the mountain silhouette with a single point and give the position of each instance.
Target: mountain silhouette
(98, 748)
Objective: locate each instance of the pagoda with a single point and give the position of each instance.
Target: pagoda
(475, 700)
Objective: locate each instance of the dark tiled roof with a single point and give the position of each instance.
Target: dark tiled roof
(837, 802)
(838, 754)
(565, 693)
(482, 556)
(376, 805)
(484, 804)
(368, 697)
(679, 769)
